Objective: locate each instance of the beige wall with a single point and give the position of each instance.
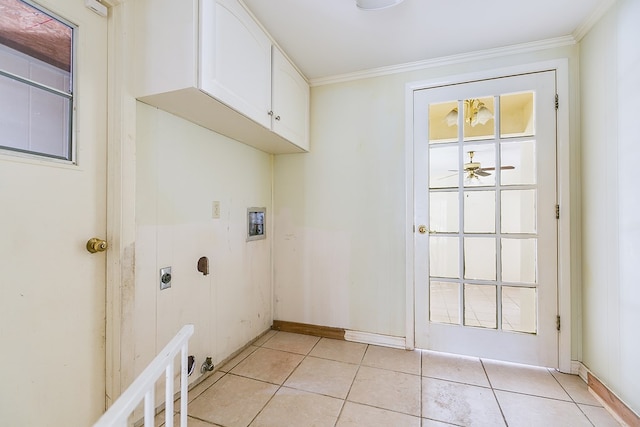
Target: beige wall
(181, 168)
(340, 210)
(610, 89)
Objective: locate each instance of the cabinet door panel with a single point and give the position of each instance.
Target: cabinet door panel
(236, 59)
(290, 102)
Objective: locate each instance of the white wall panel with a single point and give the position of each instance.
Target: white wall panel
(181, 169)
(610, 65)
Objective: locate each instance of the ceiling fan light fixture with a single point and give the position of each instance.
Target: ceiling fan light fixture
(376, 4)
(483, 114)
(452, 117)
(475, 113)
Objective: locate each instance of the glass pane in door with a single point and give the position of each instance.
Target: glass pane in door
(480, 258)
(518, 211)
(443, 257)
(519, 260)
(518, 163)
(479, 165)
(443, 167)
(478, 118)
(516, 115)
(444, 304)
(443, 122)
(480, 306)
(519, 311)
(443, 212)
(479, 211)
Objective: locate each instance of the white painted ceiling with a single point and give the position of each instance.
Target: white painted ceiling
(327, 38)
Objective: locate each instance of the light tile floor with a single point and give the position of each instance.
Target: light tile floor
(286, 379)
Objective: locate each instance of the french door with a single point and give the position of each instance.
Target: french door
(485, 219)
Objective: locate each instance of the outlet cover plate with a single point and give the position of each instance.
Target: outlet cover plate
(165, 278)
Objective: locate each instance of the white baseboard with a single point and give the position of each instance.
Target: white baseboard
(575, 368)
(581, 370)
(375, 339)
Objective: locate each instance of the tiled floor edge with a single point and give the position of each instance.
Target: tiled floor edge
(612, 403)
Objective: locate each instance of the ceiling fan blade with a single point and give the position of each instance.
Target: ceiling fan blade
(481, 172)
(502, 168)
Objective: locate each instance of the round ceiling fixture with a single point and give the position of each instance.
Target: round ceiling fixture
(376, 4)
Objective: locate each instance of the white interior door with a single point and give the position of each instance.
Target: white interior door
(52, 302)
(485, 215)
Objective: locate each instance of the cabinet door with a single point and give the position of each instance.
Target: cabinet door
(290, 102)
(235, 59)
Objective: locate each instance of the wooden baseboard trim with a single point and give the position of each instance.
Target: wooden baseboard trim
(614, 403)
(303, 328)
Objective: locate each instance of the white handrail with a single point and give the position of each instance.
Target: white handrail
(144, 387)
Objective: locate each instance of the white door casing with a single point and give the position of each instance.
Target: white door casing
(52, 308)
(464, 339)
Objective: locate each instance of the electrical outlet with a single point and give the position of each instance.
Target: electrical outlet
(215, 212)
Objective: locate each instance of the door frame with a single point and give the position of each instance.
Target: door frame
(561, 67)
(121, 197)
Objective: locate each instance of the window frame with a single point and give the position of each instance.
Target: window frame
(71, 147)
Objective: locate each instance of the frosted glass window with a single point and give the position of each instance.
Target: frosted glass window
(519, 311)
(480, 258)
(480, 306)
(444, 302)
(35, 81)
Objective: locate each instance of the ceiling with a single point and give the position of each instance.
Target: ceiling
(329, 38)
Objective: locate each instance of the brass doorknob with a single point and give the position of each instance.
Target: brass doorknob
(96, 245)
(422, 229)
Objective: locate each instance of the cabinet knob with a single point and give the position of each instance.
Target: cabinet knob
(270, 113)
(278, 118)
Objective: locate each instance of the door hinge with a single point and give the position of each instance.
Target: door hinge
(557, 211)
(558, 323)
(557, 102)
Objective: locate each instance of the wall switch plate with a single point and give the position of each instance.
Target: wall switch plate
(165, 278)
(215, 211)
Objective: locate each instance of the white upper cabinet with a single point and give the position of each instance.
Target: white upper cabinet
(289, 101)
(235, 59)
(209, 62)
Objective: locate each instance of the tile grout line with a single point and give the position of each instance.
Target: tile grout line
(283, 381)
(571, 397)
(422, 415)
(504, 418)
(344, 401)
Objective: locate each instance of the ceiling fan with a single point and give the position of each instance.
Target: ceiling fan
(475, 169)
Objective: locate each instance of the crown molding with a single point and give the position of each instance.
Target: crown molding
(447, 60)
(595, 16)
